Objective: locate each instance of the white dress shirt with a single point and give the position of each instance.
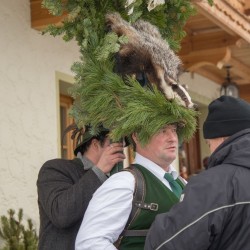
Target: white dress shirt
(110, 207)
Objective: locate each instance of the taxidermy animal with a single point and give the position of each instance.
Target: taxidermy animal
(147, 53)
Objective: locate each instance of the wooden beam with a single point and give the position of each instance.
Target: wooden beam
(40, 17)
(198, 60)
(247, 7)
(238, 68)
(241, 82)
(226, 17)
(245, 92)
(238, 5)
(225, 60)
(241, 43)
(204, 41)
(196, 66)
(212, 56)
(211, 76)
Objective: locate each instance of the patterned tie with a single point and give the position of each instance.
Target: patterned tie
(174, 185)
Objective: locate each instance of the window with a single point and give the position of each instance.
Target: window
(190, 156)
(65, 121)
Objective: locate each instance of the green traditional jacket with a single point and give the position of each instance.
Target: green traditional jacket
(156, 192)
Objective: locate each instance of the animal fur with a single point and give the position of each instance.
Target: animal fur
(147, 52)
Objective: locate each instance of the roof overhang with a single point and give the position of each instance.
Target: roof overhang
(216, 36)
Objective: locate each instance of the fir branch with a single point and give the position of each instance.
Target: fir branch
(109, 46)
(170, 18)
(101, 96)
(211, 2)
(14, 234)
(127, 108)
(55, 7)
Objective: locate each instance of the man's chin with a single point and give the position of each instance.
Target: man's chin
(171, 151)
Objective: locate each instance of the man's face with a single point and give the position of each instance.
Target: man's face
(162, 147)
(105, 144)
(215, 143)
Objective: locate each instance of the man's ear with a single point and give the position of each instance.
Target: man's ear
(135, 137)
(95, 144)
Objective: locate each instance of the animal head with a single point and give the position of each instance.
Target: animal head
(148, 53)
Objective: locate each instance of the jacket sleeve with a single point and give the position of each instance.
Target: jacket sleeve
(196, 221)
(63, 193)
(107, 213)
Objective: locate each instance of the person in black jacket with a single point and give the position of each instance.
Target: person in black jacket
(214, 212)
(65, 187)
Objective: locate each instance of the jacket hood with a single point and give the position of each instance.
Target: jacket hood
(235, 151)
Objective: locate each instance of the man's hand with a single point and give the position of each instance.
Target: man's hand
(110, 156)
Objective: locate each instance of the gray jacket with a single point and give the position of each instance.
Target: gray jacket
(64, 192)
(215, 211)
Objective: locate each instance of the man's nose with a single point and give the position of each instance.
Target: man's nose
(172, 135)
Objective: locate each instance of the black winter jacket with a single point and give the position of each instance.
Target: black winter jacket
(215, 211)
(64, 192)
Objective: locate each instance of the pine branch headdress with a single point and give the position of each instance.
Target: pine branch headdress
(108, 90)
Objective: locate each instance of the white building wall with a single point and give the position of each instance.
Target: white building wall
(28, 104)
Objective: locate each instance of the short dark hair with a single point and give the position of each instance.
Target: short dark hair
(84, 147)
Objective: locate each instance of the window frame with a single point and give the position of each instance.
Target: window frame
(66, 103)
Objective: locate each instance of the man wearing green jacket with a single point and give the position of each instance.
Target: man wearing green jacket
(110, 207)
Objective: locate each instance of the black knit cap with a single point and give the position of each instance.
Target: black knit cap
(226, 116)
